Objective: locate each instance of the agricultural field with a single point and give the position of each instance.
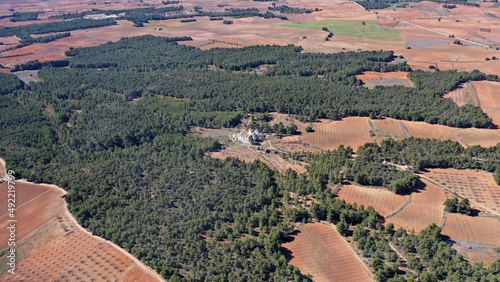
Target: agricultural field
(370, 29)
(464, 94)
(372, 79)
(320, 251)
(383, 201)
(352, 131)
(51, 246)
(479, 229)
(489, 98)
(426, 207)
(478, 186)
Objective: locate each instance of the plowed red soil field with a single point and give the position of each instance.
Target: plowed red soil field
(351, 131)
(320, 251)
(50, 246)
(479, 187)
(426, 207)
(372, 79)
(488, 93)
(460, 95)
(474, 229)
(383, 201)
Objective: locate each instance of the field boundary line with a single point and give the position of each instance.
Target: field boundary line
(400, 208)
(404, 129)
(459, 139)
(443, 220)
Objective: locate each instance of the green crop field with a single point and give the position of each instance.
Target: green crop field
(370, 29)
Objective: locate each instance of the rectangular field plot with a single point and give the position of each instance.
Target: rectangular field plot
(320, 251)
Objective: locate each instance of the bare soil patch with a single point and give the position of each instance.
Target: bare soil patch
(382, 200)
(478, 229)
(320, 251)
(372, 79)
(464, 94)
(426, 207)
(353, 131)
(478, 186)
(488, 93)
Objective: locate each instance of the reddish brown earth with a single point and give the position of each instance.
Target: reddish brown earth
(50, 246)
(426, 207)
(473, 229)
(372, 79)
(382, 200)
(478, 186)
(351, 131)
(489, 98)
(320, 251)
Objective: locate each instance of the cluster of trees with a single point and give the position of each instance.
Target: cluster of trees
(293, 77)
(376, 4)
(140, 16)
(112, 131)
(456, 206)
(428, 257)
(284, 9)
(27, 40)
(278, 128)
(36, 65)
(9, 83)
(24, 16)
(24, 31)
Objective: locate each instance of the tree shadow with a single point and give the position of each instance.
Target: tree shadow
(290, 238)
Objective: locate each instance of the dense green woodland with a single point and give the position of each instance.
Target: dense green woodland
(113, 130)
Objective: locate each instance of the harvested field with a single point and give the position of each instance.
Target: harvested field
(382, 200)
(478, 186)
(426, 207)
(372, 79)
(488, 93)
(28, 76)
(290, 144)
(351, 131)
(320, 251)
(464, 94)
(478, 229)
(488, 67)
(50, 246)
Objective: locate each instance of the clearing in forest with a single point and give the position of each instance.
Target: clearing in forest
(319, 250)
(372, 79)
(249, 154)
(464, 94)
(51, 246)
(426, 207)
(351, 131)
(478, 186)
(383, 201)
